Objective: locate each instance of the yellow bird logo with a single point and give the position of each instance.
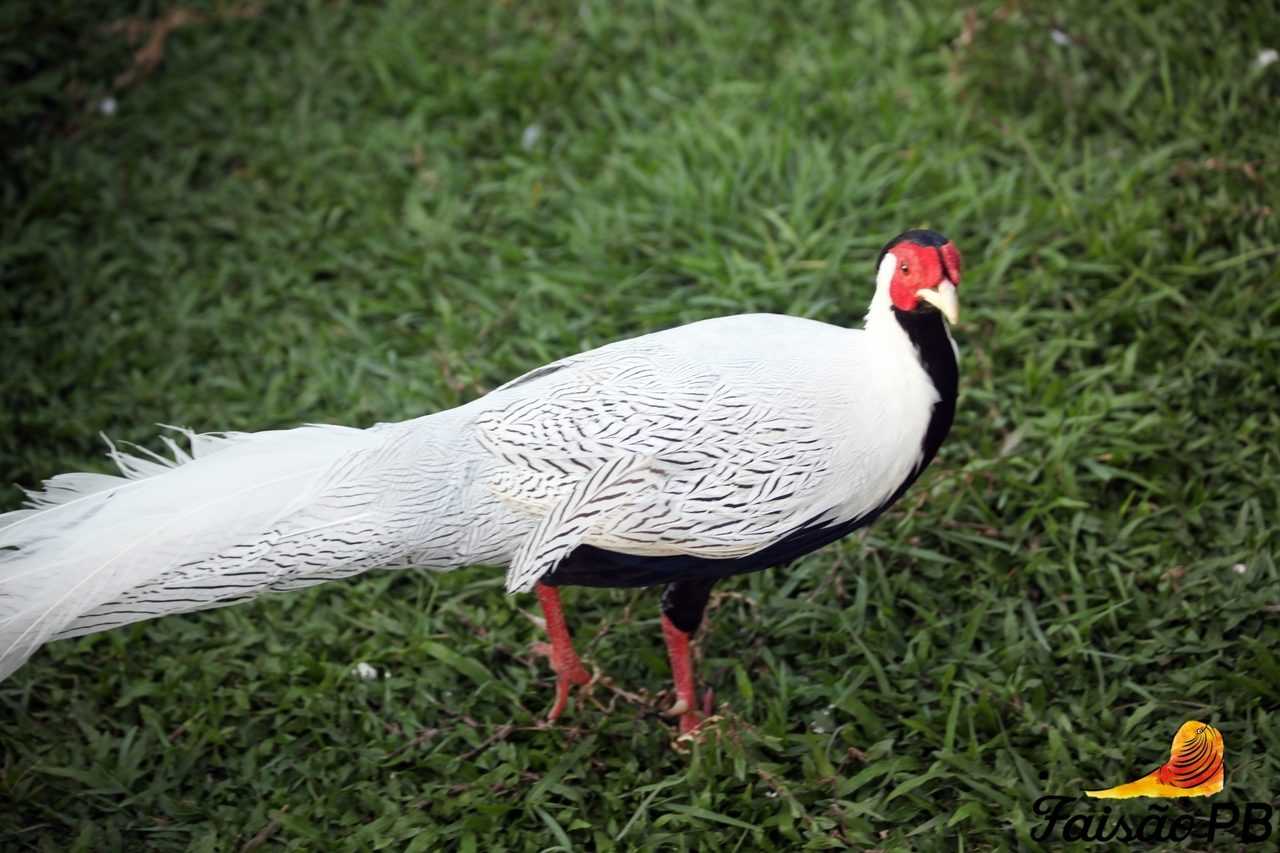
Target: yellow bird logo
(1194, 768)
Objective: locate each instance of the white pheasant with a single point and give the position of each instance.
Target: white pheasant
(677, 458)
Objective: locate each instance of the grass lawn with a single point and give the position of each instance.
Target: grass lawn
(352, 213)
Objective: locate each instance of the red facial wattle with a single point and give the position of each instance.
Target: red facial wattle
(921, 268)
(951, 263)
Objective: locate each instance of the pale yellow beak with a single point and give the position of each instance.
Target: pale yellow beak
(943, 297)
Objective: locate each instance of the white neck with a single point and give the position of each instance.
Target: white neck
(880, 319)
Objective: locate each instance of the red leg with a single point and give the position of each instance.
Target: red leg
(682, 672)
(564, 660)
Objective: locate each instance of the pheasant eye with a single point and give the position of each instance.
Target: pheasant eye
(903, 268)
(1200, 730)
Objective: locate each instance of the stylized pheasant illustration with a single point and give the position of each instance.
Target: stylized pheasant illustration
(1194, 768)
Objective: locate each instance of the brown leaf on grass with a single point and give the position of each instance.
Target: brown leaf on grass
(1174, 577)
(501, 733)
(421, 738)
(153, 32)
(264, 833)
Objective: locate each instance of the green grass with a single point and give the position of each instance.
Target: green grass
(334, 212)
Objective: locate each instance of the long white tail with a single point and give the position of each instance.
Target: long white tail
(238, 514)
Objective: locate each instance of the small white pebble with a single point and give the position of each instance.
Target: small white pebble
(1059, 37)
(817, 729)
(1266, 57)
(364, 672)
(1238, 568)
(108, 106)
(530, 137)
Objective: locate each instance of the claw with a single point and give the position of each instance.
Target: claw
(689, 723)
(569, 673)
